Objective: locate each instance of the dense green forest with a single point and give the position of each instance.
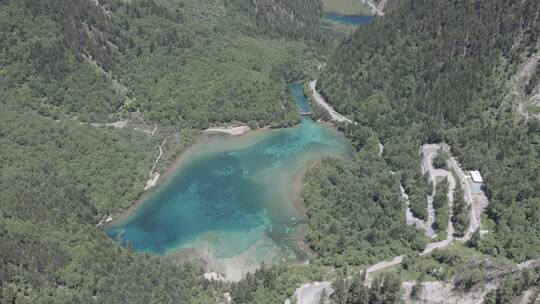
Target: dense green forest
(187, 64)
(441, 206)
(456, 91)
(67, 68)
(460, 212)
(356, 216)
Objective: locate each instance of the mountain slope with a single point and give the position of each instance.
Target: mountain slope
(438, 71)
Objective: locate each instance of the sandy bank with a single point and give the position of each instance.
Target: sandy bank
(232, 268)
(238, 130)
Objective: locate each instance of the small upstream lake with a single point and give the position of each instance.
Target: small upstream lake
(233, 202)
(347, 20)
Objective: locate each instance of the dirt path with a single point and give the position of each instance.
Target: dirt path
(154, 176)
(96, 2)
(436, 175)
(117, 125)
(150, 133)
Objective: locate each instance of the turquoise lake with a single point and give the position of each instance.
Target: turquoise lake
(349, 20)
(234, 201)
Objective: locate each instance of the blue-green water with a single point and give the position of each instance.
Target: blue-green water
(349, 20)
(228, 192)
(297, 89)
(476, 188)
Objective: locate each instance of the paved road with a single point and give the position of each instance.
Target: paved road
(466, 184)
(320, 100)
(384, 264)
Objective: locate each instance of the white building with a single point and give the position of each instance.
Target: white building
(476, 177)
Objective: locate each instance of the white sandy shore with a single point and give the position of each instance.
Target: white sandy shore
(224, 265)
(238, 130)
(233, 269)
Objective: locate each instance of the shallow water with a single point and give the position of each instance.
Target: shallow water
(229, 193)
(349, 20)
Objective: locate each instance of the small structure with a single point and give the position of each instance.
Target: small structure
(476, 177)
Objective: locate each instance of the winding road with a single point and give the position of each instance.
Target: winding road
(428, 152)
(436, 175)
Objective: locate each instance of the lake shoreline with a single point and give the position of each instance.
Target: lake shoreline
(124, 214)
(290, 247)
(175, 167)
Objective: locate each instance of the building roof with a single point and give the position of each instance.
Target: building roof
(476, 177)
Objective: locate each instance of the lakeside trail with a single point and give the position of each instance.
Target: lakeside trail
(320, 101)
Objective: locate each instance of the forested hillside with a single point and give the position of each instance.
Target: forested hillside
(428, 71)
(433, 71)
(356, 216)
(152, 56)
(66, 68)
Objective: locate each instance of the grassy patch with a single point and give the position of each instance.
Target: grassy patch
(532, 109)
(440, 236)
(346, 7)
(487, 223)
